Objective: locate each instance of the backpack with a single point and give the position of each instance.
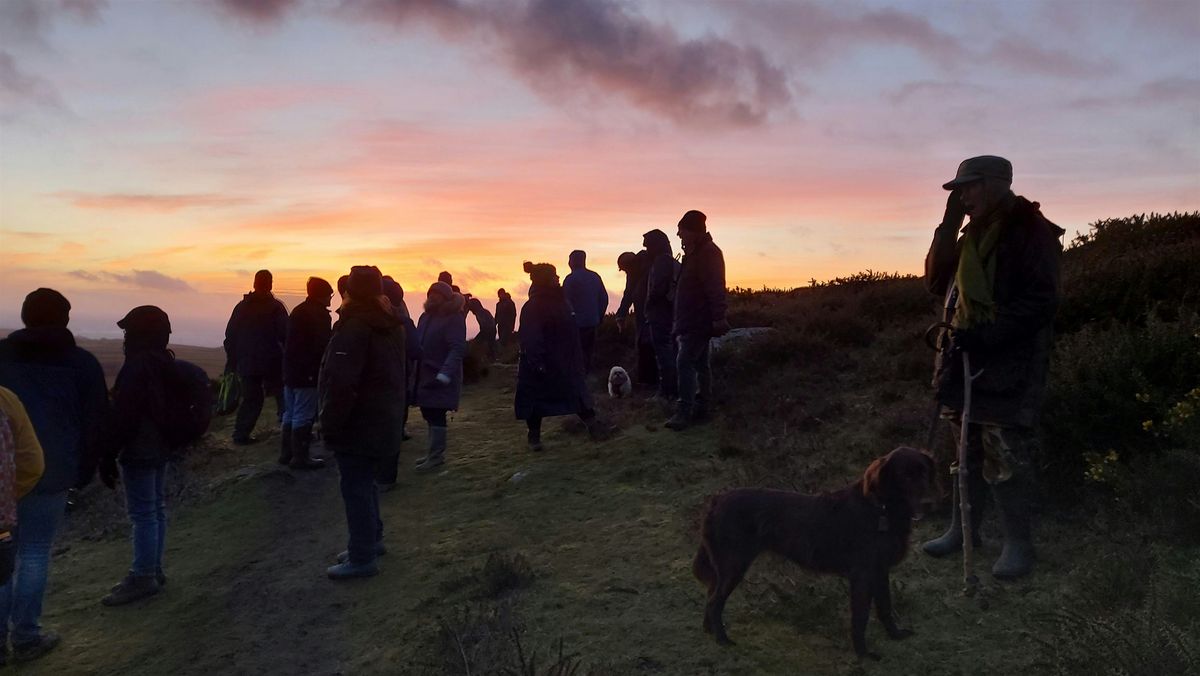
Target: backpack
(188, 408)
(229, 394)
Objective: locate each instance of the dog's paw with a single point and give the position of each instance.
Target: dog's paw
(900, 634)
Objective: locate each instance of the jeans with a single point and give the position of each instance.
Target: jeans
(38, 517)
(665, 356)
(361, 499)
(146, 500)
(254, 392)
(695, 372)
(299, 406)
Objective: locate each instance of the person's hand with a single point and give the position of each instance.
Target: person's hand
(109, 472)
(955, 211)
(969, 340)
(442, 379)
(720, 327)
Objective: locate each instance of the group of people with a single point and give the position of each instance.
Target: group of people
(59, 426)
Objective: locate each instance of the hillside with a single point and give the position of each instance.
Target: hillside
(506, 553)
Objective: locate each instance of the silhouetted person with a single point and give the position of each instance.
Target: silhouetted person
(636, 266)
(442, 333)
(137, 443)
(550, 376)
(254, 339)
(446, 278)
(660, 310)
(487, 326)
(362, 392)
(389, 467)
(506, 316)
(699, 316)
(308, 333)
(63, 390)
(584, 291)
(341, 286)
(1001, 281)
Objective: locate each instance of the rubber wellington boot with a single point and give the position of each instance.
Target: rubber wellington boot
(534, 437)
(285, 444)
(302, 450)
(1017, 557)
(437, 449)
(951, 541)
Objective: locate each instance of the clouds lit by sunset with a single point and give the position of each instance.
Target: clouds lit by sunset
(160, 152)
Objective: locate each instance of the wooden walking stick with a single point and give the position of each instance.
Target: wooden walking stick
(964, 503)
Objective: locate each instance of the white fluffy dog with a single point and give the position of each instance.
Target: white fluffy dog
(619, 384)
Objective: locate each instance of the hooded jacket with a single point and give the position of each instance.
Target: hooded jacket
(1014, 350)
(255, 335)
(550, 374)
(135, 430)
(442, 334)
(62, 387)
(308, 333)
(585, 292)
(660, 280)
(362, 386)
(700, 290)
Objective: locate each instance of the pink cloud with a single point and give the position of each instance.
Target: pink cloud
(150, 202)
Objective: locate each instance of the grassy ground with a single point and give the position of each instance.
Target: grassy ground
(592, 546)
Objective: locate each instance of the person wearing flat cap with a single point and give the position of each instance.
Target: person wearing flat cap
(1000, 279)
(699, 316)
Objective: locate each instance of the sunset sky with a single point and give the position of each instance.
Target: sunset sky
(161, 151)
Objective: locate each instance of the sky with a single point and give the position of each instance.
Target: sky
(161, 151)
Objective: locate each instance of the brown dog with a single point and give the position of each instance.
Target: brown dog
(858, 532)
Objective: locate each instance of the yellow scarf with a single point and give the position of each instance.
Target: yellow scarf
(976, 274)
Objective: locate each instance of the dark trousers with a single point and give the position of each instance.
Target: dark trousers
(434, 416)
(695, 373)
(587, 340)
(254, 392)
(665, 357)
(361, 499)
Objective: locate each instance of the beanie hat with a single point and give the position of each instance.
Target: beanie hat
(45, 308)
(444, 276)
(541, 273)
(146, 319)
(441, 289)
(263, 280)
(318, 288)
(365, 282)
(391, 289)
(693, 221)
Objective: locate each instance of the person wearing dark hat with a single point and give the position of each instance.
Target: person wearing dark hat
(308, 333)
(584, 290)
(660, 310)
(506, 316)
(551, 379)
(62, 387)
(636, 267)
(699, 315)
(442, 333)
(254, 339)
(135, 442)
(362, 394)
(1000, 280)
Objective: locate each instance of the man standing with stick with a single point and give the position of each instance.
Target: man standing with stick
(1005, 269)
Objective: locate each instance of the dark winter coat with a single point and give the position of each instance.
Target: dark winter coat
(62, 387)
(362, 387)
(1014, 350)
(308, 333)
(135, 431)
(443, 337)
(255, 335)
(506, 317)
(487, 325)
(585, 293)
(634, 296)
(700, 290)
(660, 281)
(550, 375)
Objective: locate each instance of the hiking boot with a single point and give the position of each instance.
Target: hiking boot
(344, 557)
(159, 577)
(680, 421)
(1017, 557)
(132, 588)
(347, 570)
(31, 650)
(285, 444)
(301, 450)
(951, 541)
(437, 449)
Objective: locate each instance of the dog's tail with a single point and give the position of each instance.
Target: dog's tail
(704, 566)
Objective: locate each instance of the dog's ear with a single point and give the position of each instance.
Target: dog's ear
(873, 479)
